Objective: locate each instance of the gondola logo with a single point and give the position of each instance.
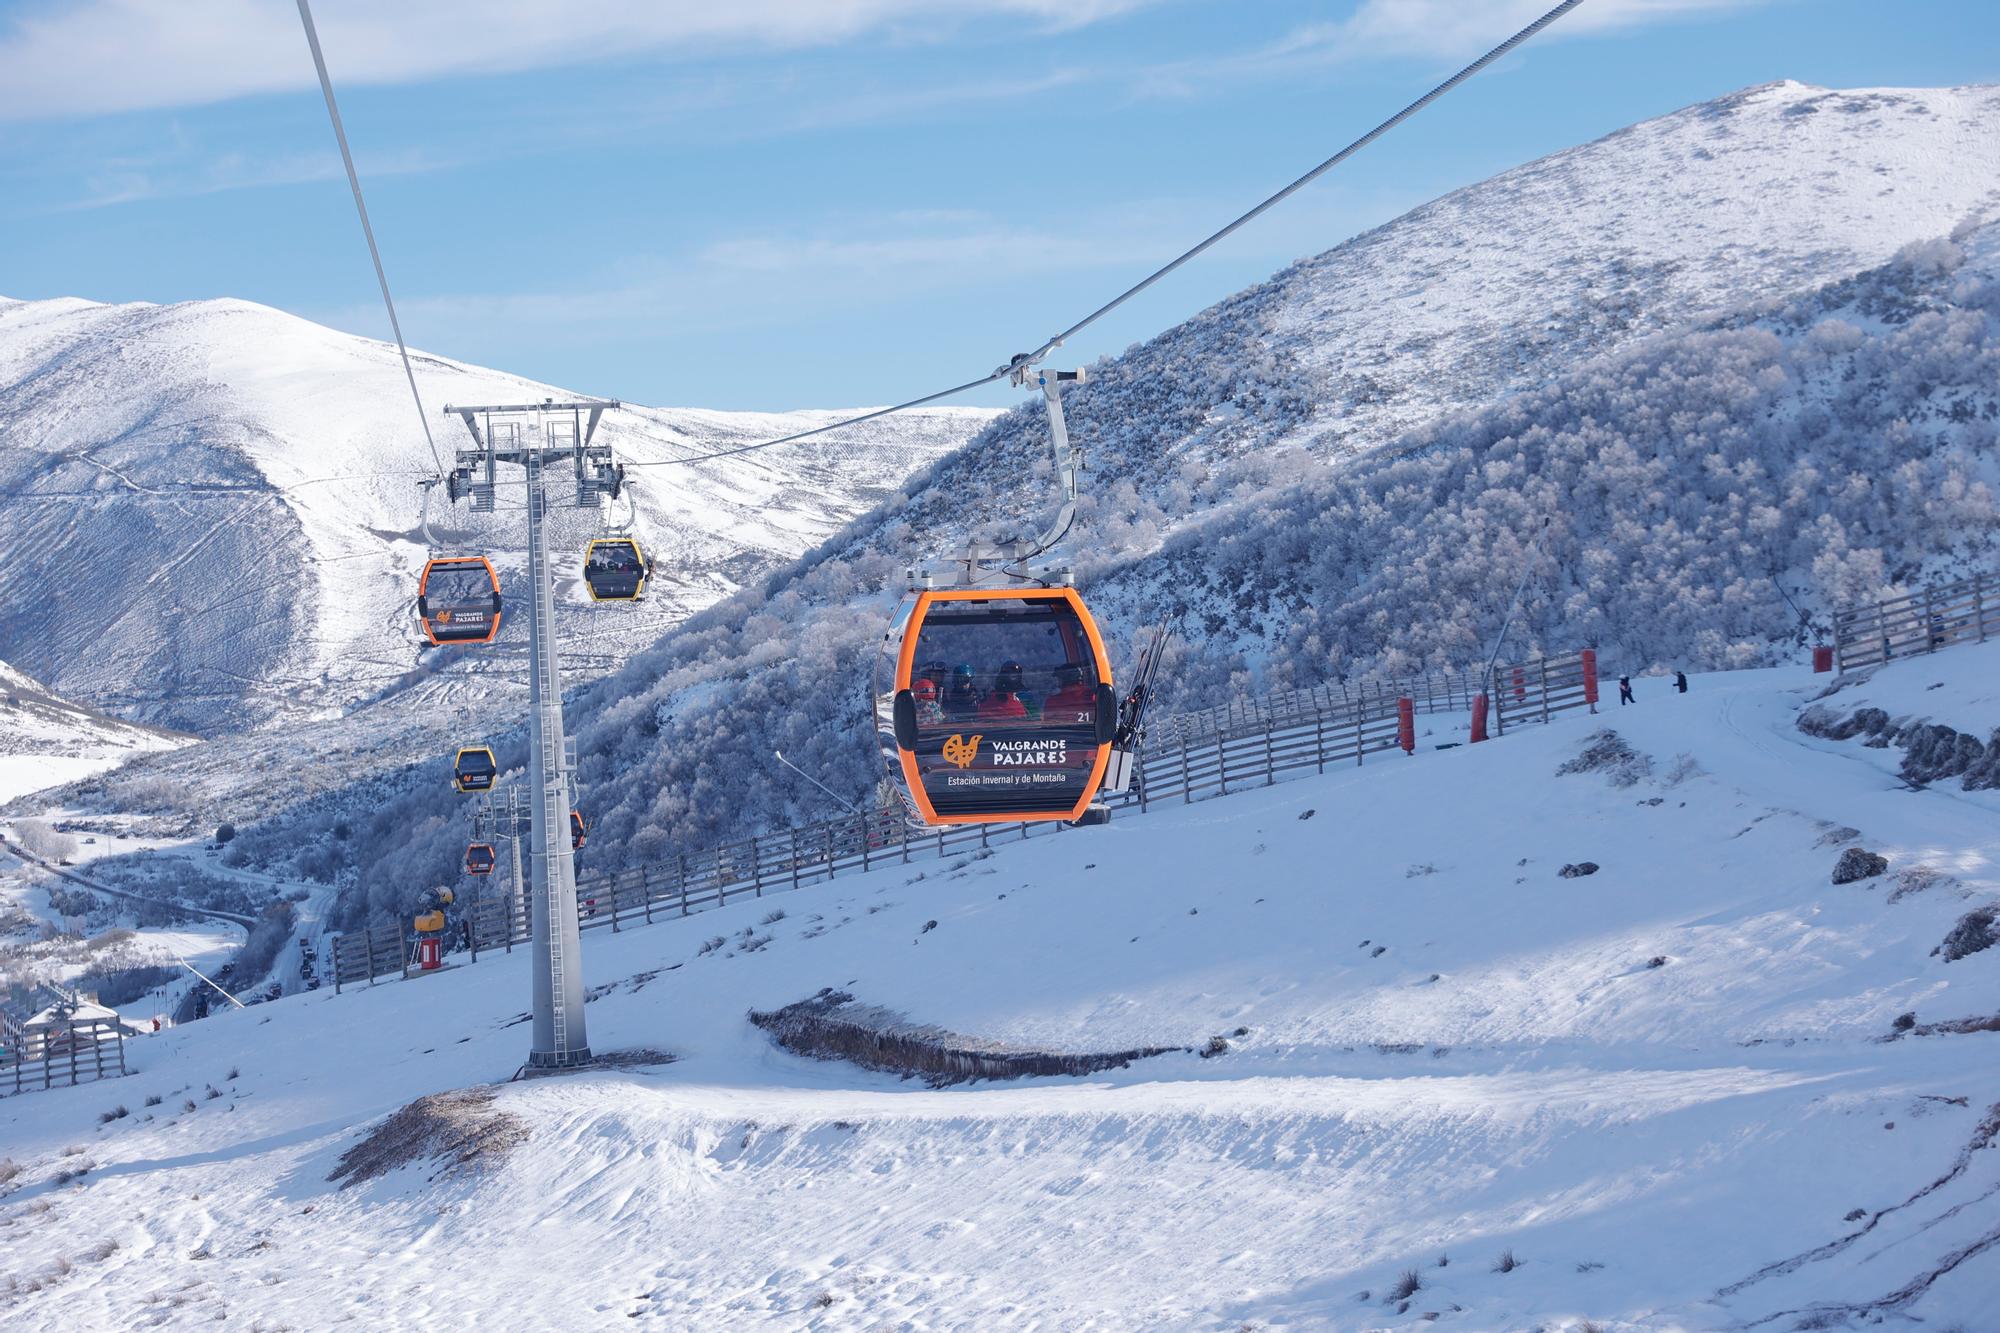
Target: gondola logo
(1038, 751)
(960, 751)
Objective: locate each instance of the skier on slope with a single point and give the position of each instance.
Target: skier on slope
(1625, 691)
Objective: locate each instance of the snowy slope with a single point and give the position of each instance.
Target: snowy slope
(1566, 381)
(214, 505)
(1663, 1088)
(46, 739)
(1765, 192)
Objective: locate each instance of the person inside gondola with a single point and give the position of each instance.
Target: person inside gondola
(1073, 701)
(961, 696)
(930, 712)
(1004, 703)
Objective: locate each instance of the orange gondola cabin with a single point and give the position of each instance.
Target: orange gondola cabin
(995, 705)
(458, 600)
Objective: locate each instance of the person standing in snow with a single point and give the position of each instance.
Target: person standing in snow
(1680, 682)
(1625, 691)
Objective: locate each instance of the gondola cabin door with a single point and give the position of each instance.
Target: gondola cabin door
(995, 706)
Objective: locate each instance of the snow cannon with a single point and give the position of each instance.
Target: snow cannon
(429, 924)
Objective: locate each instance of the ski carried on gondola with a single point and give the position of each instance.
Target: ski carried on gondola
(1131, 730)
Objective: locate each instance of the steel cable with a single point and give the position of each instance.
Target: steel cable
(367, 230)
(1031, 358)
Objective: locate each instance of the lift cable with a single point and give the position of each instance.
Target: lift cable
(374, 253)
(836, 425)
(1027, 359)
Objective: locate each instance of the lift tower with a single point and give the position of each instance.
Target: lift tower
(551, 442)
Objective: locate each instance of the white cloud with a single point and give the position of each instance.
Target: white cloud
(1431, 30)
(1460, 29)
(180, 175)
(86, 57)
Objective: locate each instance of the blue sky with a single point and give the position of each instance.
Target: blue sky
(788, 203)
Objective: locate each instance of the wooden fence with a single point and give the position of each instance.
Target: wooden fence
(1536, 691)
(1923, 622)
(1185, 758)
(84, 1052)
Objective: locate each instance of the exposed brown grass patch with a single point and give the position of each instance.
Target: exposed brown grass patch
(460, 1130)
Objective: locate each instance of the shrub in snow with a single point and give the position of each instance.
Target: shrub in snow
(41, 840)
(1579, 870)
(1856, 864)
(1506, 1263)
(224, 833)
(1683, 768)
(1606, 752)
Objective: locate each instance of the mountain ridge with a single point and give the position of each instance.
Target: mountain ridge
(166, 448)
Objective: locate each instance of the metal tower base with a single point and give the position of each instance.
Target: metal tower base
(571, 1059)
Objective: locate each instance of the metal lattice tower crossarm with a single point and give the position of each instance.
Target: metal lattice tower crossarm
(537, 437)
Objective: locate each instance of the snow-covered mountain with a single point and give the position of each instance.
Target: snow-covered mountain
(1772, 408)
(1410, 1075)
(213, 510)
(1219, 450)
(46, 739)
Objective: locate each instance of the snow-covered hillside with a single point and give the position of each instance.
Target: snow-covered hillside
(1453, 1086)
(46, 739)
(213, 507)
(1684, 499)
(1657, 415)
